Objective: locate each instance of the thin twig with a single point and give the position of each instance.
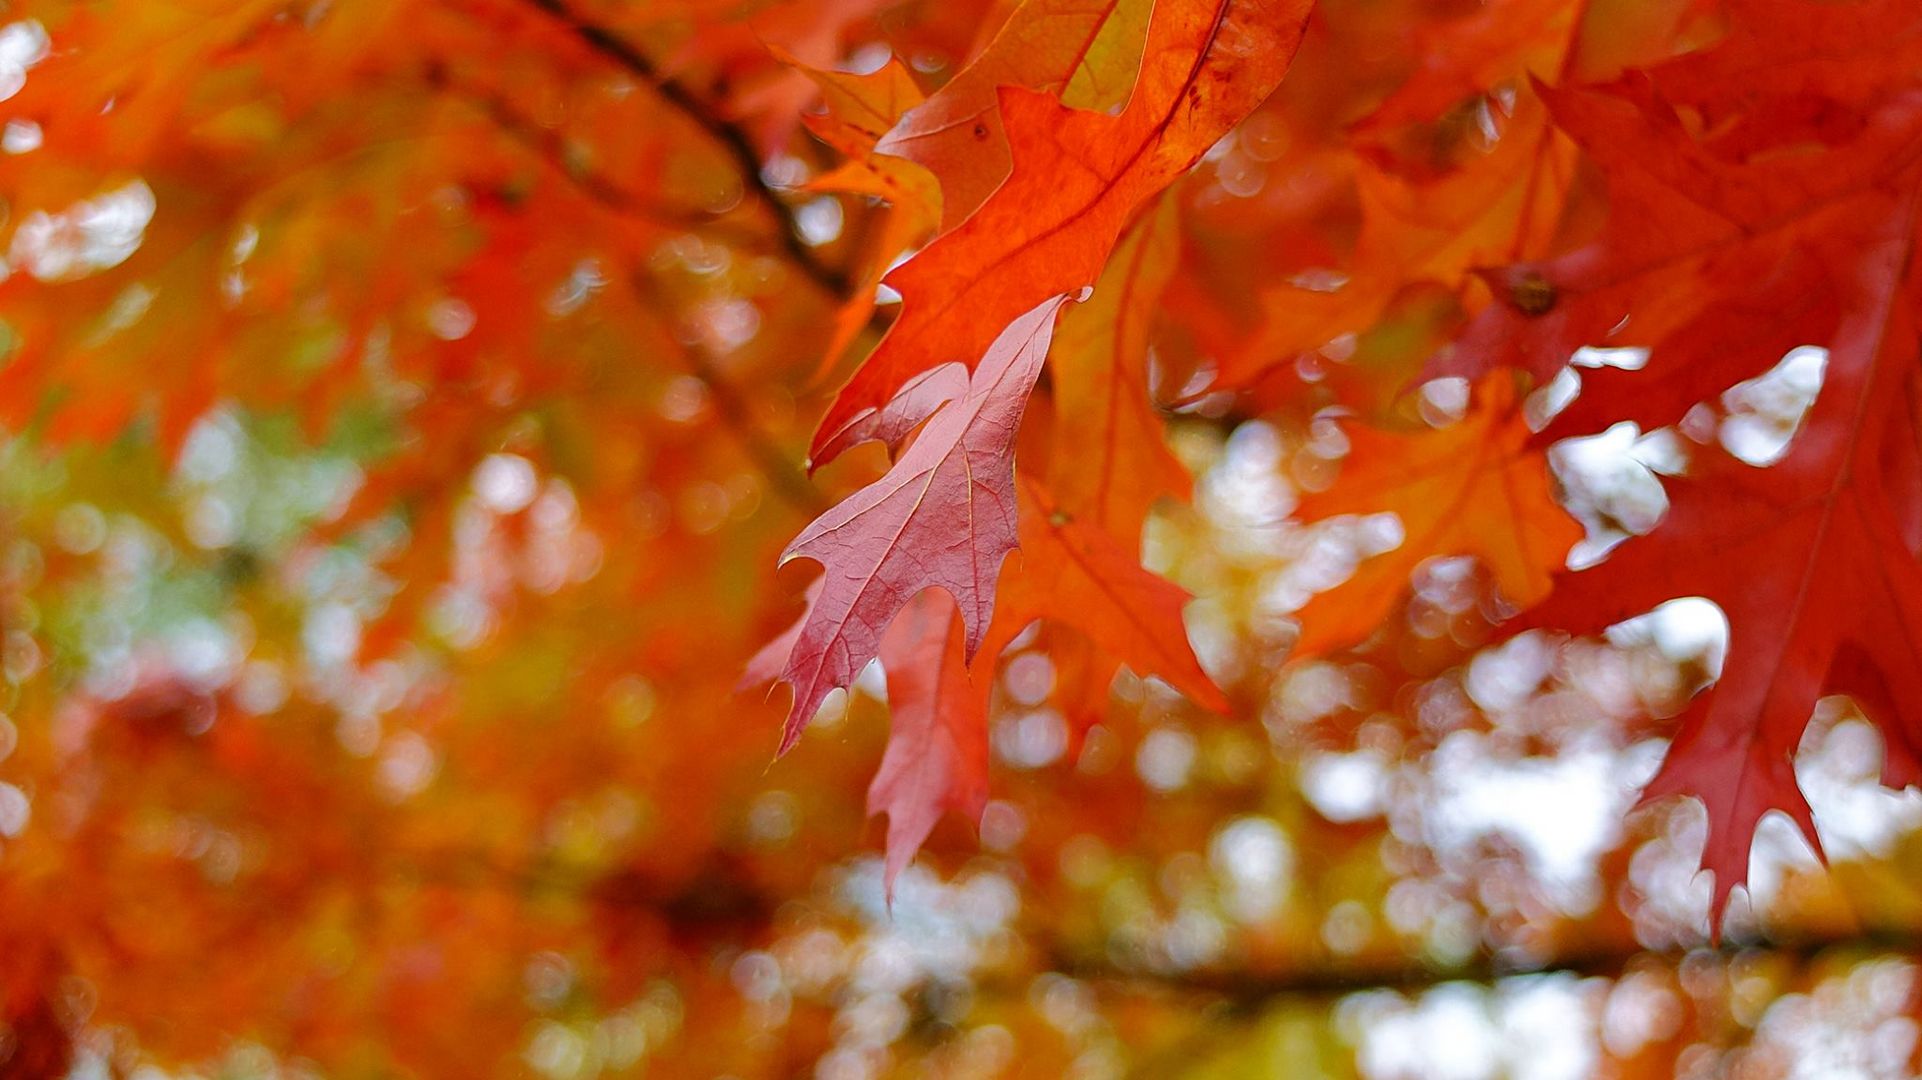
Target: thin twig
(552, 150)
(788, 480)
(729, 137)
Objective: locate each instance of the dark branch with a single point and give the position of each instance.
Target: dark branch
(1248, 991)
(551, 149)
(789, 482)
(730, 138)
(1225, 1002)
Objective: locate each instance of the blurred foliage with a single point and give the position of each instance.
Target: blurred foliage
(404, 403)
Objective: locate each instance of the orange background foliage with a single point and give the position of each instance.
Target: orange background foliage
(407, 406)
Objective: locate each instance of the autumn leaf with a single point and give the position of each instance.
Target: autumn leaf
(1074, 573)
(1078, 178)
(1110, 460)
(1456, 171)
(1067, 572)
(1464, 58)
(809, 31)
(1473, 487)
(943, 516)
(1725, 247)
(1808, 561)
(1728, 218)
(937, 754)
(860, 109)
(1781, 307)
(1085, 53)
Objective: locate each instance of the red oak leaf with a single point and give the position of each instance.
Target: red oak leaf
(1695, 224)
(1811, 561)
(937, 755)
(943, 516)
(1070, 573)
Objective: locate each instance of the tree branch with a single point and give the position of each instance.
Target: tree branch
(1232, 1000)
(551, 149)
(1248, 990)
(730, 138)
(789, 482)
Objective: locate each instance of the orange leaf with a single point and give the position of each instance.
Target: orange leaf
(1085, 53)
(1075, 574)
(1111, 460)
(1078, 178)
(1474, 487)
(860, 109)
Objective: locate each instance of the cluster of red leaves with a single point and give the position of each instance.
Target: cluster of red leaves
(1762, 196)
(1752, 194)
(1041, 197)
